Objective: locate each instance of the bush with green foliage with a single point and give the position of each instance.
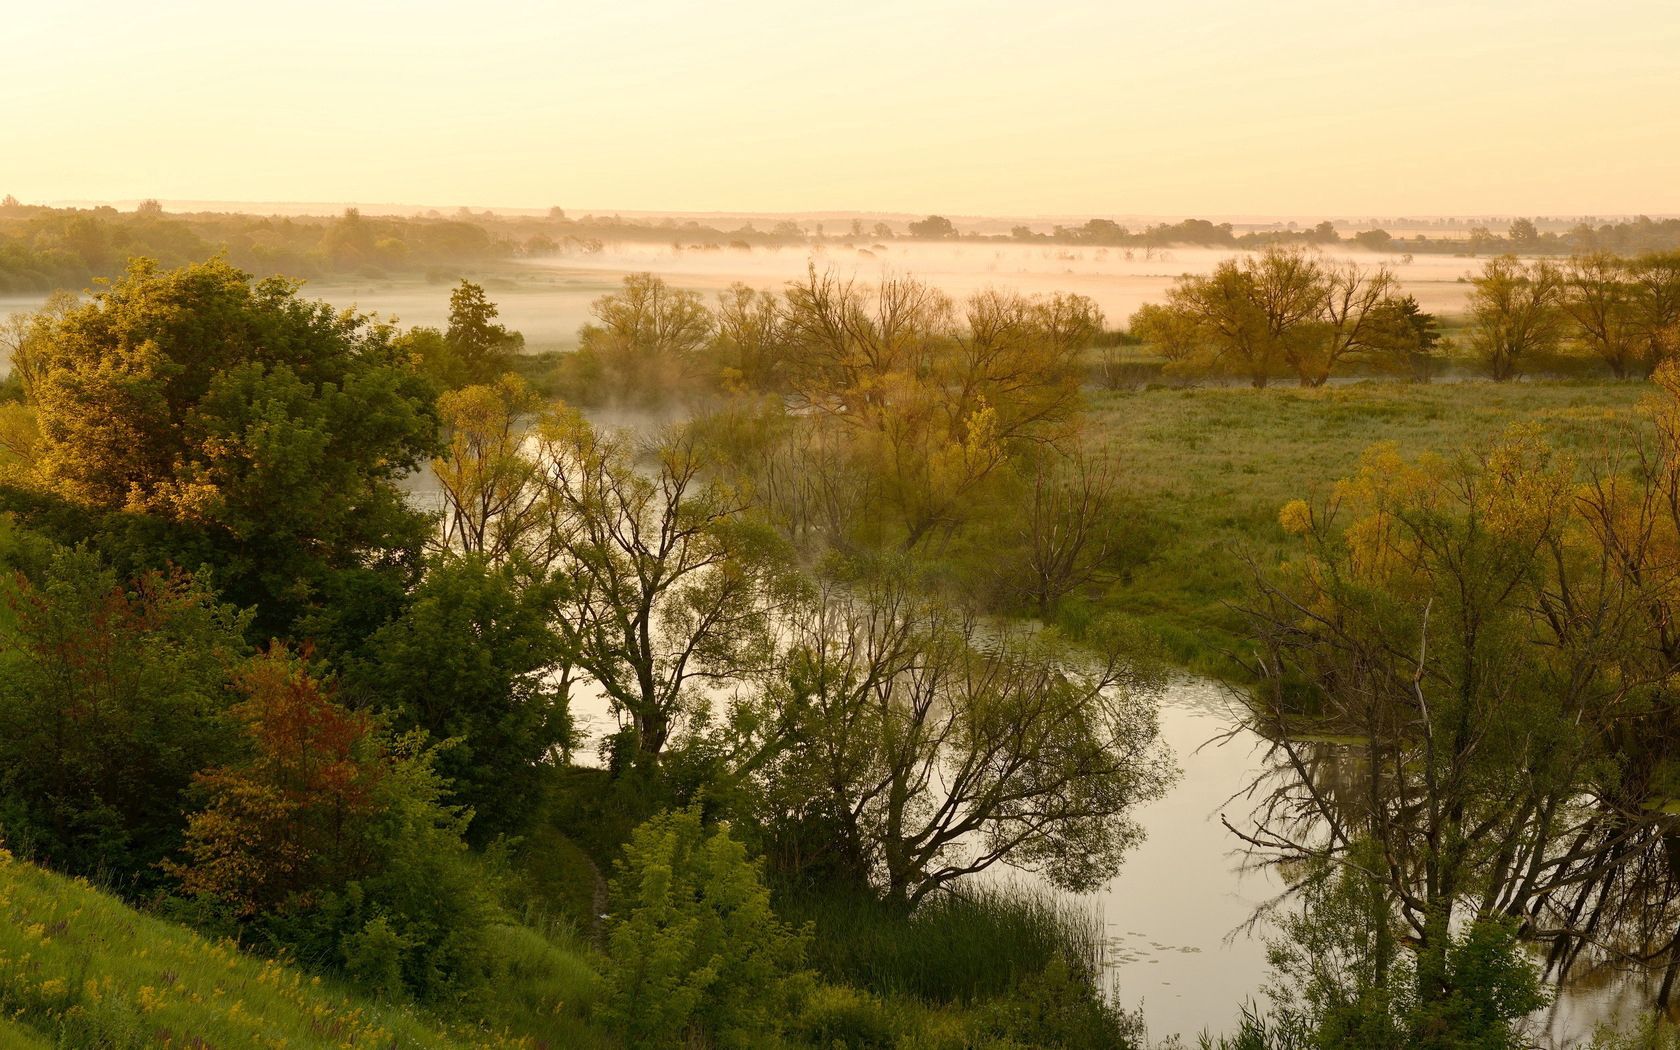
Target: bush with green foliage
(329, 840)
(694, 949)
(1058, 1008)
(469, 660)
(836, 1016)
(112, 695)
(1344, 978)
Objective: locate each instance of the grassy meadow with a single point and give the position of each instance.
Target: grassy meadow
(1207, 469)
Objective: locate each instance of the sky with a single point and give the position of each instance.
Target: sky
(979, 107)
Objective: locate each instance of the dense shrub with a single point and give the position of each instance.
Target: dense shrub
(330, 841)
(112, 694)
(836, 1016)
(693, 946)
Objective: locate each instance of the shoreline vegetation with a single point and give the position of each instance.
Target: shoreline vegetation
(249, 689)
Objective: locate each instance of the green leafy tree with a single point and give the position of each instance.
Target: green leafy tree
(483, 348)
(1407, 336)
(694, 949)
(112, 695)
(473, 659)
(273, 428)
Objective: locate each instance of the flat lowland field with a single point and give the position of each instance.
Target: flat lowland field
(1206, 471)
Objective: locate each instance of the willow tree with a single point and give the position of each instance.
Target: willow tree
(937, 400)
(1598, 294)
(928, 748)
(668, 593)
(489, 484)
(1514, 313)
(1457, 625)
(647, 336)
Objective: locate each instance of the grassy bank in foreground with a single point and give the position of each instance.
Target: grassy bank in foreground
(79, 968)
(1206, 471)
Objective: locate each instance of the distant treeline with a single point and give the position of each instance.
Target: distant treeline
(1523, 236)
(43, 249)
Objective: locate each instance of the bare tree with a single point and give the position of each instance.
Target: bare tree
(1068, 526)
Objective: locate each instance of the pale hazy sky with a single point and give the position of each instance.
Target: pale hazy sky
(1299, 107)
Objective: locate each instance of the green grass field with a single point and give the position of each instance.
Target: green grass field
(79, 968)
(1207, 469)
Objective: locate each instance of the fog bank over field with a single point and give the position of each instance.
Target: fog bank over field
(548, 298)
(1119, 279)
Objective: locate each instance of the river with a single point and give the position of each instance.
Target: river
(1182, 943)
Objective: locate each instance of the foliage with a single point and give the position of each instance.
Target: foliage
(78, 968)
(1057, 1009)
(930, 748)
(274, 426)
(1283, 308)
(295, 818)
(480, 349)
(1342, 979)
(1493, 638)
(1652, 1033)
(470, 660)
(647, 337)
(1514, 313)
(492, 502)
(931, 404)
(333, 844)
(668, 592)
(112, 694)
(693, 944)
(834, 1016)
(933, 228)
